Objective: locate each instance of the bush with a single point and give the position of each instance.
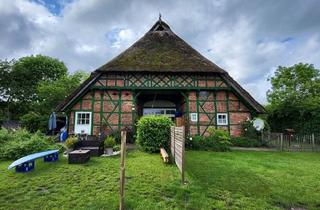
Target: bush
(71, 142)
(5, 136)
(116, 136)
(195, 142)
(153, 132)
(116, 148)
(245, 142)
(109, 142)
(34, 122)
(218, 140)
(22, 143)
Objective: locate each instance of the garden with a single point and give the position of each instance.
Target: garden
(217, 178)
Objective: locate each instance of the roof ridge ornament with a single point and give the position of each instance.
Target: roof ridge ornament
(160, 17)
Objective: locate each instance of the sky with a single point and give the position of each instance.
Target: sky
(247, 38)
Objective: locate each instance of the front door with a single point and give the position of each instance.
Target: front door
(82, 123)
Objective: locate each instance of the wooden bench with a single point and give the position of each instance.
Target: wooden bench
(79, 156)
(27, 163)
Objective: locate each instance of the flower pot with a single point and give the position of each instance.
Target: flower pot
(109, 151)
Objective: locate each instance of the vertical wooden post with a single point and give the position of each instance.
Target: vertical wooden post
(281, 142)
(313, 144)
(122, 168)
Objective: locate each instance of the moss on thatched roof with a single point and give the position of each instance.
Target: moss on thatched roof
(161, 50)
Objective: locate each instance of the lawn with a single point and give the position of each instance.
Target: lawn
(231, 180)
(255, 180)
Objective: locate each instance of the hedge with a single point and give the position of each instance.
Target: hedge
(153, 132)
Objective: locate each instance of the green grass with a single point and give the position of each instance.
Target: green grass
(231, 180)
(256, 180)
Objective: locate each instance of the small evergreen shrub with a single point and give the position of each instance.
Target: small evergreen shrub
(153, 132)
(21, 143)
(109, 142)
(71, 142)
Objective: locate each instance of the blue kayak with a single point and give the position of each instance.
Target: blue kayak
(31, 157)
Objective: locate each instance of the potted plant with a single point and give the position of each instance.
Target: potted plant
(70, 143)
(109, 143)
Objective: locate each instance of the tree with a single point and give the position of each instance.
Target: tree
(52, 93)
(29, 71)
(295, 98)
(19, 80)
(49, 95)
(5, 69)
(294, 84)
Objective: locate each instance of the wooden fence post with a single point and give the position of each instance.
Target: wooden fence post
(313, 143)
(122, 168)
(281, 142)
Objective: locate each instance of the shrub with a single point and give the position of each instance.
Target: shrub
(195, 142)
(218, 140)
(109, 142)
(245, 142)
(153, 132)
(116, 136)
(71, 142)
(5, 136)
(22, 143)
(116, 147)
(33, 122)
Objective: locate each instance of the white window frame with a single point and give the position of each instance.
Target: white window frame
(222, 114)
(78, 127)
(194, 117)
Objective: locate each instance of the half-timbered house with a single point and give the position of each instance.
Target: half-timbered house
(159, 74)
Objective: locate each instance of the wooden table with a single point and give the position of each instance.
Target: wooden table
(79, 156)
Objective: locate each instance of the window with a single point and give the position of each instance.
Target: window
(194, 117)
(159, 111)
(83, 118)
(204, 94)
(222, 119)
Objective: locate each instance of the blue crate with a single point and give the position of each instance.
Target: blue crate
(25, 167)
(51, 158)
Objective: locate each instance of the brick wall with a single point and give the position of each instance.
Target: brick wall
(212, 103)
(109, 114)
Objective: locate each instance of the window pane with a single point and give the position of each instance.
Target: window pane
(222, 119)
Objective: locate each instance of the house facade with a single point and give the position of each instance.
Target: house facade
(160, 74)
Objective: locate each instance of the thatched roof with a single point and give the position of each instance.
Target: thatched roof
(161, 50)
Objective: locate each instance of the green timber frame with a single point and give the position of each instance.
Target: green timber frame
(132, 80)
(107, 93)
